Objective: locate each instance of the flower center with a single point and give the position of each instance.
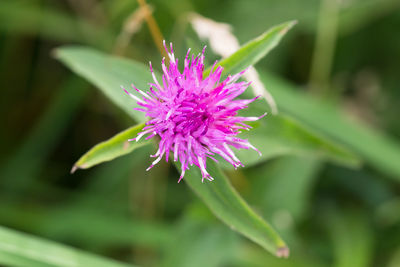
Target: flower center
(192, 118)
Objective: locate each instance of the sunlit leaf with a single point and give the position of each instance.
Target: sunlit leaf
(251, 52)
(112, 148)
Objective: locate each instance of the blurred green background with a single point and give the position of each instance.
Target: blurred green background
(345, 53)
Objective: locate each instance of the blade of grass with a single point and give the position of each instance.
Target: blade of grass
(19, 249)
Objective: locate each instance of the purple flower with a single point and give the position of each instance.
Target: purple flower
(194, 117)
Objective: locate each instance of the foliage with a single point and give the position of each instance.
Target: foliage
(326, 185)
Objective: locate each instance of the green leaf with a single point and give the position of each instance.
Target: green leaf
(217, 195)
(51, 223)
(90, 205)
(226, 204)
(250, 53)
(378, 149)
(116, 146)
(276, 136)
(281, 135)
(18, 249)
(108, 73)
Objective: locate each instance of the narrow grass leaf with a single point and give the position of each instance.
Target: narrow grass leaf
(19, 249)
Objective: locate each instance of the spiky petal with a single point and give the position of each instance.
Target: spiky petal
(194, 117)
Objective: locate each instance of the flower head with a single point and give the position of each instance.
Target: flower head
(195, 117)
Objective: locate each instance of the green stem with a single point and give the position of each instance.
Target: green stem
(324, 46)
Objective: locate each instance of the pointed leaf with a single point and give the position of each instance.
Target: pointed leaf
(229, 207)
(109, 73)
(116, 146)
(250, 53)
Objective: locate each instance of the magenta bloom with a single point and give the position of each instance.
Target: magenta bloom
(195, 117)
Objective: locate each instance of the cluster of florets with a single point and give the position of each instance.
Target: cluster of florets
(194, 116)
